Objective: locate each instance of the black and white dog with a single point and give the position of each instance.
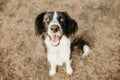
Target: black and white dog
(57, 30)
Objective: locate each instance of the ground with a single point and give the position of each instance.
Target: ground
(22, 55)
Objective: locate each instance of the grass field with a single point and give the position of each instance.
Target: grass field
(22, 56)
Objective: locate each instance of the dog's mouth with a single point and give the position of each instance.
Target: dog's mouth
(55, 39)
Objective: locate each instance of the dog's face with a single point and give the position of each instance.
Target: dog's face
(54, 25)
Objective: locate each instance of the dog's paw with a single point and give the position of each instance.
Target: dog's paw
(69, 70)
(52, 73)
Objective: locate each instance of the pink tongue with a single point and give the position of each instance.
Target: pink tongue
(55, 40)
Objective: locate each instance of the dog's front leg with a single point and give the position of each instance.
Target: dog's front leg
(53, 69)
(68, 67)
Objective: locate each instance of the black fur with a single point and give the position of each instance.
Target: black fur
(78, 43)
(71, 26)
(39, 25)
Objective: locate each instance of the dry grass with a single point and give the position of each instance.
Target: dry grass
(22, 55)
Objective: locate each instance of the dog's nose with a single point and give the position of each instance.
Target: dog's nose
(54, 28)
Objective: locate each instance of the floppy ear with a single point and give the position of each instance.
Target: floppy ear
(39, 25)
(72, 25)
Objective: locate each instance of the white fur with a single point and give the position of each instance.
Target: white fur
(86, 50)
(57, 55)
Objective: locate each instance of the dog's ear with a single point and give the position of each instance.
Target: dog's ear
(39, 25)
(72, 25)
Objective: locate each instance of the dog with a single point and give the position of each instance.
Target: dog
(57, 30)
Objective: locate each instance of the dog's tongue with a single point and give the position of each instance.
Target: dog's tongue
(55, 39)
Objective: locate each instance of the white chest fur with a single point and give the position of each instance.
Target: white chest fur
(58, 54)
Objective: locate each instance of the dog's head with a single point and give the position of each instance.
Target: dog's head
(54, 25)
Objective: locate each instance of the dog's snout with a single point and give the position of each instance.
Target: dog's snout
(54, 28)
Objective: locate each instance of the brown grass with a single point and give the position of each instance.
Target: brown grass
(22, 55)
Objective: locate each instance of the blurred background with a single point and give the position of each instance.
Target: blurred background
(22, 55)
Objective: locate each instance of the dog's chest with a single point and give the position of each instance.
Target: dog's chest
(58, 54)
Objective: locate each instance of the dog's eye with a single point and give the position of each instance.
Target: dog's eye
(62, 19)
(48, 19)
